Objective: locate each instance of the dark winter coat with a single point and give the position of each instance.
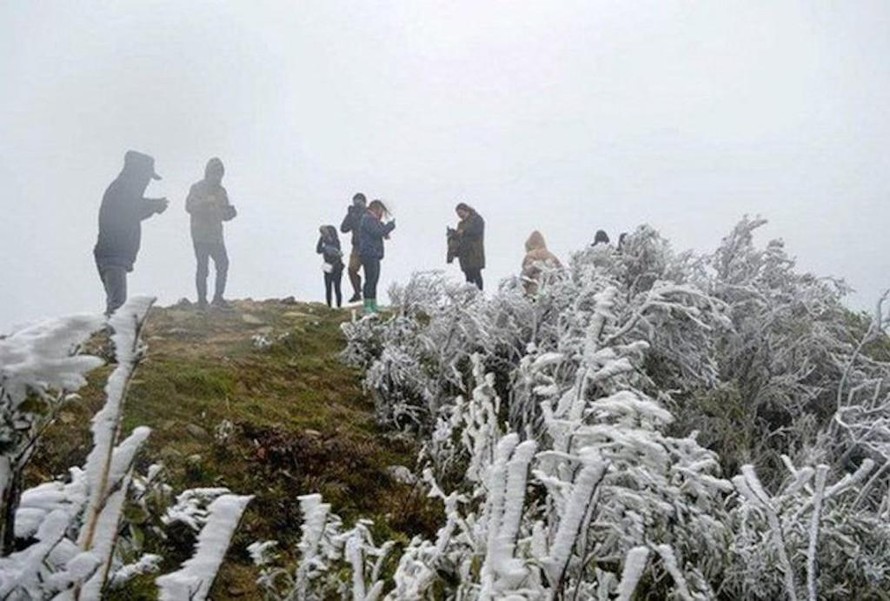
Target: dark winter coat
(208, 205)
(120, 222)
(329, 248)
(351, 223)
(471, 245)
(371, 234)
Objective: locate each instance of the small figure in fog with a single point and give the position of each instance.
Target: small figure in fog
(329, 248)
(351, 223)
(622, 241)
(372, 232)
(467, 243)
(123, 209)
(537, 260)
(601, 238)
(208, 204)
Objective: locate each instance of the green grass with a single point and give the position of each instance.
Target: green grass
(302, 425)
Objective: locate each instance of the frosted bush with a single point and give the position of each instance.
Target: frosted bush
(603, 379)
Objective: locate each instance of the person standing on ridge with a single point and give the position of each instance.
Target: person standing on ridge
(470, 234)
(120, 225)
(208, 204)
(354, 213)
(372, 232)
(329, 248)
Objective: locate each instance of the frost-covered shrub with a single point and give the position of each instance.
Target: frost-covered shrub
(70, 540)
(566, 432)
(808, 537)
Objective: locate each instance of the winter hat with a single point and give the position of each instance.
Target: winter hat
(140, 162)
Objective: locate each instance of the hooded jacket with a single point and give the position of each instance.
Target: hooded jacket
(351, 223)
(536, 255)
(471, 242)
(370, 236)
(120, 220)
(328, 247)
(208, 204)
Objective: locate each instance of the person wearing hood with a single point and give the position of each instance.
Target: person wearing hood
(601, 238)
(537, 256)
(329, 248)
(371, 234)
(208, 205)
(351, 222)
(470, 243)
(123, 209)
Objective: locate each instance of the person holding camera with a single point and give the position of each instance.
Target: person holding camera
(351, 223)
(372, 233)
(120, 225)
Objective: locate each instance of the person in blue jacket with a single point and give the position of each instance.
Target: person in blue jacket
(123, 210)
(372, 232)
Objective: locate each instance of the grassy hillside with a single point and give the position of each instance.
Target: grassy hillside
(300, 423)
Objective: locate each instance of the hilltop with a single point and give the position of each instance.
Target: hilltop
(254, 399)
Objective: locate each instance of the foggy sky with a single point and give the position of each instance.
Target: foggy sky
(563, 116)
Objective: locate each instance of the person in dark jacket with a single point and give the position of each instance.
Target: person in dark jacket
(120, 225)
(329, 248)
(601, 238)
(351, 223)
(208, 205)
(470, 237)
(372, 232)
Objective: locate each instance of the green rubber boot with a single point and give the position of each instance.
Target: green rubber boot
(366, 306)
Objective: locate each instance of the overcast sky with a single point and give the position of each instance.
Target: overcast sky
(565, 116)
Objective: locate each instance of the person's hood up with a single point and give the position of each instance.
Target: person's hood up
(139, 164)
(535, 242)
(329, 231)
(211, 164)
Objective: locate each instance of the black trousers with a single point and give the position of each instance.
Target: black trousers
(204, 251)
(474, 276)
(114, 280)
(372, 276)
(332, 284)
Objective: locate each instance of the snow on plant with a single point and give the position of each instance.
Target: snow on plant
(65, 538)
(192, 507)
(327, 552)
(601, 369)
(807, 540)
(194, 579)
(39, 366)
